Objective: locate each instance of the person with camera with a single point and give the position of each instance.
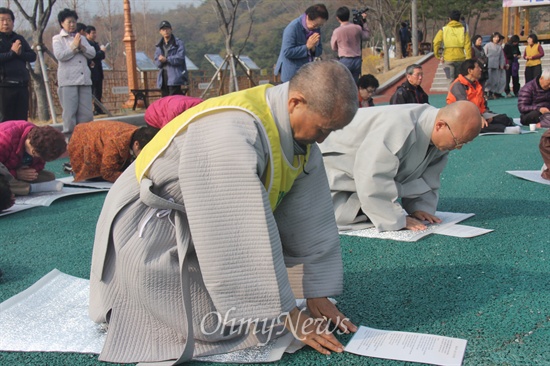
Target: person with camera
(347, 39)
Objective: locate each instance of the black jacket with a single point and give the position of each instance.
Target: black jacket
(97, 69)
(408, 94)
(13, 68)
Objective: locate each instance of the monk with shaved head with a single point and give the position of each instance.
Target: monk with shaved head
(393, 153)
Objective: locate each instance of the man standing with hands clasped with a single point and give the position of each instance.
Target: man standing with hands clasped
(170, 59)
(15, 52)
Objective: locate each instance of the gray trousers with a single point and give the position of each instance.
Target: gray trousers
(496, 81)
(452, 69)
(76, 101)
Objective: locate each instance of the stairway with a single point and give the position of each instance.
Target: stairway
(440, 82)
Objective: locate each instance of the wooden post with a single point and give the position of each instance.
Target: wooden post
(517, 21)
(505, 21)
(131, 63)
(526, 23)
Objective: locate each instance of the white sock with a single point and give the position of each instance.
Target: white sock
(51, 186)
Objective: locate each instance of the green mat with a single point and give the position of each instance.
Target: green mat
(493, 290)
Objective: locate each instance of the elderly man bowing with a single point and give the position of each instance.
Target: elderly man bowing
(223, 220)
(389, 153)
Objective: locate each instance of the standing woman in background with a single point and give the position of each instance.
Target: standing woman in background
(478, 54)
(533, 53)
(73, 51)
(512, 52)
(301, 41)
(496, 65)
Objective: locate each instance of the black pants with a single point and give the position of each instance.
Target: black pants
(532, 72)
(531, 117)
(169, 90)
(14, 103)
(97, 91)
(498, 124)
(515, 82)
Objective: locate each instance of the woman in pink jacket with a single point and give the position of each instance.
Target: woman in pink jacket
(24, 151)
(162, 111)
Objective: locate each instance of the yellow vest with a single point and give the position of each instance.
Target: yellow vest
(453, 37)
(280, 175)
(532, 51)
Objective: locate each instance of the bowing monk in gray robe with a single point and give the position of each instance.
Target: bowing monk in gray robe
(393, 153)
(204, 244)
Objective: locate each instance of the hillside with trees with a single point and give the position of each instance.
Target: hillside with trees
(199, 25)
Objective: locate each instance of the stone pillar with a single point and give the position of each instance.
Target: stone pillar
(131, 64)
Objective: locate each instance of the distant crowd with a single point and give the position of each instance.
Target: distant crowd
(225, 211)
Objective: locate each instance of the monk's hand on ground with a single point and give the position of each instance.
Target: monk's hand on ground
(424, 216)
(414, 224)
(323, 308)
(27, 174)
(313, 332)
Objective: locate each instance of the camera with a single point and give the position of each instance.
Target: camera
(358, 17)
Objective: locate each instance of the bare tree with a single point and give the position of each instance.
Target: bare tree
(388, 14)
(110, 19)
(38, 20)
(76, 5)
(226, 11)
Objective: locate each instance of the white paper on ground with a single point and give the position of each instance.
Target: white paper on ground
(461, 231)
(531, 175)
(521, 132)
(405, 346)
(448, 219)
(47, 198)
(52, 316)
(88, 184)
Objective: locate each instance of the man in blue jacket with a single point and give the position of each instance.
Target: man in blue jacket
(301, 41)
(170, 59)
(15, 52)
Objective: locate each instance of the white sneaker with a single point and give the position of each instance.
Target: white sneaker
(512, 130)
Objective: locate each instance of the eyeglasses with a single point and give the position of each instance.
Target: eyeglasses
(371, 90)
(5, 20)
(317, 24)
(458, 144)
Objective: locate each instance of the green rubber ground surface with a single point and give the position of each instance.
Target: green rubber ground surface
(493, 290)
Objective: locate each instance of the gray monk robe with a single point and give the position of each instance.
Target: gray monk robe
(229, 254)
(384, 154)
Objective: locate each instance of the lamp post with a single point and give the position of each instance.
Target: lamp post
(414, 30)
(131, 64)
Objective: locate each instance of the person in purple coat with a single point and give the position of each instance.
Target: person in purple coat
(534, 101)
